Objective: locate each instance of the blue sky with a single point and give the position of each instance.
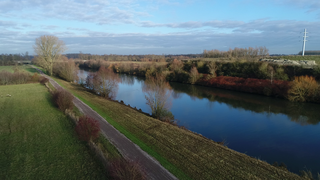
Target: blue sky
(160, 26)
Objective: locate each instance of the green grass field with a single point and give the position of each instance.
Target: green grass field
(26, 68)
(37, 141)
(315, 58)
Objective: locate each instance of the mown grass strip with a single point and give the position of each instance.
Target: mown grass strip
(165, 163)
(38, 141)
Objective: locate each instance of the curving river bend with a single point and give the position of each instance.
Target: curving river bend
(266, 128)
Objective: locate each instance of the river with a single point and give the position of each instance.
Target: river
(266, 128)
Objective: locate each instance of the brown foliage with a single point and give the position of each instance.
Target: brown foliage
(121, 169)
(194, 75)
(303, 88)
(18, 77)
(104, 82)
(63, 99)
(237, 53)
(176, 65)
(67, 70)
(5, 77)
(43, 80)
(257, 86)
(35, 77)
(87, 128)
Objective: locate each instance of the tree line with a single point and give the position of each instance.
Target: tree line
(11, 59)
(237, 53)
(139, 58)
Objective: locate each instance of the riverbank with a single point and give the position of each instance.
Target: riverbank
(195, 155)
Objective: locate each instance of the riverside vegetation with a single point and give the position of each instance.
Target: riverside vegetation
(246, 76)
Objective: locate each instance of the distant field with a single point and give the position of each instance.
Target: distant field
(26, 68)
(38, 141)
(298, 58)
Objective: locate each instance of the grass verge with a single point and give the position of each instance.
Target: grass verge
(38, 141)
(26, 68)
(185, 154)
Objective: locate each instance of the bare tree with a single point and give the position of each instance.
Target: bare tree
(104, 82)
(194, 75)
(157, 94)
(49, 49)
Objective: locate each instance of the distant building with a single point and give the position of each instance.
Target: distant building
(314, 52)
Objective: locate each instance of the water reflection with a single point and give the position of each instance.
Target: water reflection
(129, 80)
(302, 113)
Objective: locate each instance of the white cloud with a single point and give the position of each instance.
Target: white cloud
(96, 11)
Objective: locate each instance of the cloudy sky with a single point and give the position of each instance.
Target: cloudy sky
(160, 26)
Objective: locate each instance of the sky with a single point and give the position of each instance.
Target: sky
(160, 26)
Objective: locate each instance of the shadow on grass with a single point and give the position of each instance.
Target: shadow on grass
(31, 70)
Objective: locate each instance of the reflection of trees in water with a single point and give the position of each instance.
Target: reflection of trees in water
(302, 113)
(129, 80)
(176, 95)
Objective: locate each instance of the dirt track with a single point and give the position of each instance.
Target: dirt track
(128, 149)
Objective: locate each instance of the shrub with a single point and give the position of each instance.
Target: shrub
(194, 75)
(167, 116)
(35, 77)
(87, 128)
(5, 78)
(212, 68)
(258, 86)
(67, 70)
(121, 169)
(20, 77)
(280, 74)
(303, 88)
(104, 82)
(43, 80)
(63, 99)
(176, 65)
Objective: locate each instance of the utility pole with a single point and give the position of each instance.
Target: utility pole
(304, 41)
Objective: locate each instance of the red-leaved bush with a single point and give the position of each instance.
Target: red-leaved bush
(63, 99)
(43, 80)
(87, 128)
(277, 88)
(121, 169)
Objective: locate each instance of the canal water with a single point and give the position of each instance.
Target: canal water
(266, 128)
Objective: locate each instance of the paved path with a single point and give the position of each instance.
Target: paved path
(128, 149)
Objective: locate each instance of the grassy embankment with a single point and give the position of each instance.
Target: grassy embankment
(38, 141)
(185, 154)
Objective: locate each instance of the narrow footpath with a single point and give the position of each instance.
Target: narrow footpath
(127, 148)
